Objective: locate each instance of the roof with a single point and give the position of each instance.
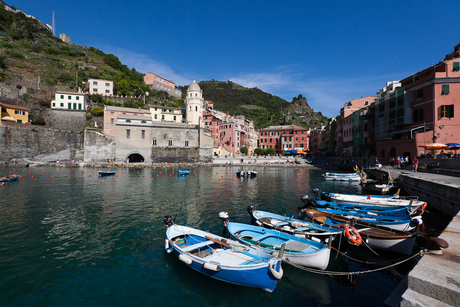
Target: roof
(194, 87)
(13, 106)
(123, 109)
(284, 127)
(72, 93)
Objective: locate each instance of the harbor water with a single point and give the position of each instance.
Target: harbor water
(71, 238)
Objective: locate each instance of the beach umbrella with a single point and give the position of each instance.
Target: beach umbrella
(435, 146)
(453, 146)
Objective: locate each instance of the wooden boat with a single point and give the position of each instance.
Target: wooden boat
(6, 178)
(107, 173)
(342, 176)
(221, 258)
(299, 228)
(377, 187)
(240, 173)
(251, 174)
(183, 172)
(378, 237)
(372, 209)
(380, 200)
(297, 250)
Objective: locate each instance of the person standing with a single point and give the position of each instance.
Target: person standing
(415, 164)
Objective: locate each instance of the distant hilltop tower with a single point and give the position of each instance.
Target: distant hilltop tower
(194, 105)
(54, 26)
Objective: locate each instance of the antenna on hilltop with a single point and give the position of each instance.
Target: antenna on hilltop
(54, 26)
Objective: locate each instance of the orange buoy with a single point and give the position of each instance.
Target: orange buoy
(217, 173)
(122, 172)
(32, 176)
(30, 172)
(160, 172)
(10, 172)
(52, 176)
(90, 175)
(69, 172)
(129, 175)
(209, 175)
(23, 171)
(21, 177)
(149, 172)
(143, 175)
(43, 172)
(81, 171)
(205, 172)
(91, 172)
(60, 171)
(157, 176)
(65, 176)
(196, 175)
(169, 175)
(222, 176)
(116, 175)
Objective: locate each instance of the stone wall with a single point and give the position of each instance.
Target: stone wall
(175, 155)
(98, 147)
(65, 119)
(30, 141)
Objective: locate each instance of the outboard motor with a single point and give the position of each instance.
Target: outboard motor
(304, 199)
(316, 192)
(168, 221)
(308, 202)
(224, 217)
(251, 209)
(325, 196)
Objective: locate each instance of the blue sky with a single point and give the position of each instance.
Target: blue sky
(328, 51)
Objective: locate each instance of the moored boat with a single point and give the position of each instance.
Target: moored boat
(378, 237)
(107, 173)
(240, 173)
(342, 176)
(221, 258)
(6, 178)
(251, 174)
(183, 172)
(297, 250)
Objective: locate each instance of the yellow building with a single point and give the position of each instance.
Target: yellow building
(166, 114)
(14, 114)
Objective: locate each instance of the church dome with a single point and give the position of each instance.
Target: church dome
(194, 87)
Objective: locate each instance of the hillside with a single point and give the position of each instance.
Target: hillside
(263, 108)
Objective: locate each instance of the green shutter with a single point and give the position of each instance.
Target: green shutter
(445, 89)
(69, 106)
(456, 66)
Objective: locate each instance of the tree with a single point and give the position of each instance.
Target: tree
(259, 151)
(244, 150)
(271, 151)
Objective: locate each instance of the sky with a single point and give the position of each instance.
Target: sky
(328, 51)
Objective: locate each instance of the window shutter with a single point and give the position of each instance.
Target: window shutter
(451, 111)
(456, 66)
(439, 112)
(445, 89)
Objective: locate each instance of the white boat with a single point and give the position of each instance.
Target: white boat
(380, 200)
(377, 187)
(342, 176)
(221, 258)
(300, 251)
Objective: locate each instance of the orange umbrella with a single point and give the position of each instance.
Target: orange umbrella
(435, 146)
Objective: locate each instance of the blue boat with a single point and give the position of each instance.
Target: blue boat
(240, 173)
(183, 172)
(300, 228)
(342, 176)
(7, 178)
(107, 173)
(222, 259)
(251, 174)
(297, 250)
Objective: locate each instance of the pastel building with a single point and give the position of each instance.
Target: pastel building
(101, 87)
(284, 137)
(11, 114)
(167, 114)
(159, 83)
(70, 101)
(111, 113)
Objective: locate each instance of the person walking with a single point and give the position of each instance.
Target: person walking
(415, 164)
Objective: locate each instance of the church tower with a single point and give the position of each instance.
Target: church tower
(194, 105)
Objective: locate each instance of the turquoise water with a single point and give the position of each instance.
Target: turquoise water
(76, 240)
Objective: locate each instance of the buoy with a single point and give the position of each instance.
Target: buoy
(43, 172)
(205, 172)
(65, 176)
(81, 171)
(209, 175)
(143, 175)
(69, 172)
(116, 175)
(160, 172)
(91, 172)
(169, 175)
(32, 176)
(60, 171)
(196, 175)
(138, 172)
(122, 172)
(216, 173)
(30, 172)
(23, 171)
(222, 176)
(10, 172)
(52, 176)
(20, 176)
(157, 176)
(149, 172)
(90, 175)
(236, 176)
(129, 175)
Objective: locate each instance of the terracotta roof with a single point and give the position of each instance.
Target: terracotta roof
(13, 106)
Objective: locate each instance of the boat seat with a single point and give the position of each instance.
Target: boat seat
(197, 245)
(297, 246)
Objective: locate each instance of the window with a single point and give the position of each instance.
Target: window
(128, 121)
(445, 89)
(69, 97)
(456, 66)
(420, 94)
(174, 117)
(19, 112)
(62, 105)
(154, 142)
(19, 121)
(418, 115)
(170, 143)
(62, 96)
(128, 133)
(196, 108)
(143, 134)
(69, 106)
(446, 111)
(156, 116)
(74, 106)
(107, 84)
(107, 91)
(79, 106)
(366, 102)
(162, 117)
(95, 90)
(94, 82)
(186, 143)
(54, 104)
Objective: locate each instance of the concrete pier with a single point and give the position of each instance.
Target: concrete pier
(435, 280)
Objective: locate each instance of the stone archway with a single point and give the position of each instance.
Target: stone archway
(135, 157)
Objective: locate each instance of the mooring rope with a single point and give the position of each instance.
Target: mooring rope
(355, 273)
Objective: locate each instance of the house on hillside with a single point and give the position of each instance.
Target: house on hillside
(11, 114)
(111, 113)
(100, 87)
(159, 83)
(70, 101)
(167, 114)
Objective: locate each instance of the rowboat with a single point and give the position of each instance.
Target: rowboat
(240, 173)
(299, 228)
(223, 259)
(251, 174)
(297, 250)
(375, 236)
(380, 200)
(342, 176)
(371, 209)
(6, 178)
(183, 172)
(107, 173)
(377, 187)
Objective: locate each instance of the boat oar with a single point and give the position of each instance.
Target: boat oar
(219, 242)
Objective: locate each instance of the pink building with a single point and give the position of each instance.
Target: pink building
(159, 83)
(433, 95)
(111, 113)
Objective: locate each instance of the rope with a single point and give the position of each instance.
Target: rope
(355, 273)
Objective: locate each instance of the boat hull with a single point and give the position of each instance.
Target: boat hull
(8, 178)
(342, 177)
